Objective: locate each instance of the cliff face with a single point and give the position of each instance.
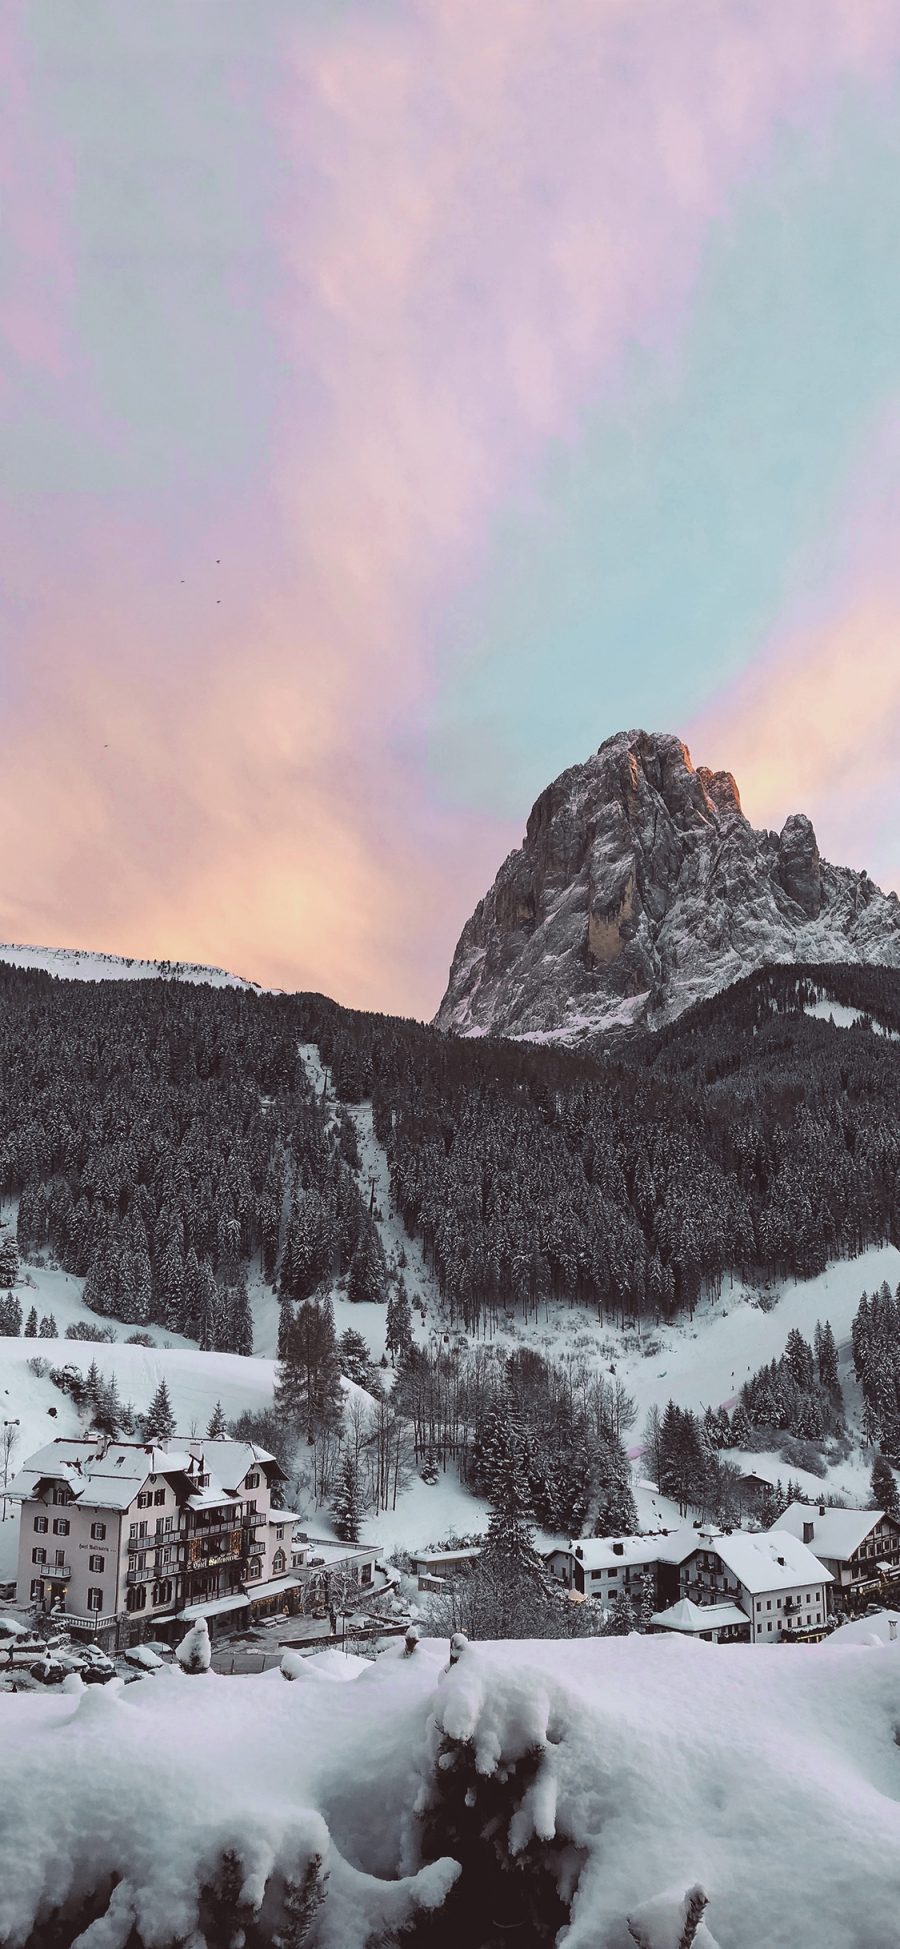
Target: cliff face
(640, 887)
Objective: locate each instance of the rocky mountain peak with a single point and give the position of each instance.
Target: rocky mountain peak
(640, 887)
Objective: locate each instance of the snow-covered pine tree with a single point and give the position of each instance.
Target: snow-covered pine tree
(355, 1359)
(217, 1429)
(159, 1421)
(10, 1315)
(347, 1506)
(31, 1324)
(884, 1488)
(48, 1328)
(398, 1325)
(9, 1258)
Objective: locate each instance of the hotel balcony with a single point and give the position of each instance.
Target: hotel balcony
(59, 1573)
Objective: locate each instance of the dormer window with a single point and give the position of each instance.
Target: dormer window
(203, 1481)
(252, 1480)
(60, 1496)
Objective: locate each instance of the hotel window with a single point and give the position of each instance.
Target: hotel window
(159, 1495)
(278, 1562)
(144, 1499)
(61, 1526)
(61, 1496)
(252, 1482)
(96, 1565)
(95, 1599)
(98, 1532)
(40, 1524)
(38, 1556)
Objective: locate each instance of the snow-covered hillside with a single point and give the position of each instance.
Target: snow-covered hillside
(80, 964)
(618, 1772)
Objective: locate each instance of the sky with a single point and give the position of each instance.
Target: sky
(398, 397)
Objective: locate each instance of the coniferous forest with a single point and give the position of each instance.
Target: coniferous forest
(162, 1139)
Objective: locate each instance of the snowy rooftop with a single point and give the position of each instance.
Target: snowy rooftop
(607, 1552)
(108, 1475)
(689, 1617)
(836, 1532)
(216, 1606)
(775, 1560)
(98, 1476)
(883, 1628)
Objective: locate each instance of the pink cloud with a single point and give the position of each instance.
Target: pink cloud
(482, 211)
(814, 724)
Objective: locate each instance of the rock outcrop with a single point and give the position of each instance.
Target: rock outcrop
(640, 887)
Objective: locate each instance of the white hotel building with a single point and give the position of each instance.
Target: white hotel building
(127, 1539)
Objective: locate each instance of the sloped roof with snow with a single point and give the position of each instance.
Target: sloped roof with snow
(773, 1560)
(837, 1533)
(690, 1617)
(231, 1460)
(97, 1475)
(608, 1552)
(110, 1475)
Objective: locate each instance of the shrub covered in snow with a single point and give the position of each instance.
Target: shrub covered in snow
(597, 1788)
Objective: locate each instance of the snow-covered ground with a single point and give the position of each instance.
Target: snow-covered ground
(769, 1775)
(842, 1016)
(80, 964)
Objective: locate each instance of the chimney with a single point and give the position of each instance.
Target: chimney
(821, 1509)
(780, 1560)
(809, 1530)
(892, 1630)
(618, 1549)
(580, 1553)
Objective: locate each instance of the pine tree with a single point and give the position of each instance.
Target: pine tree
(367, 1278)
(355, 1359)
(159, 1421)
(9, 1259)
(10, 1315)
(616, 1507)
(398, 1326)
(31, 1325)
(621, 1619)
(347, 1507)
(47, 1329)
(884, 1488)
(217, 1429)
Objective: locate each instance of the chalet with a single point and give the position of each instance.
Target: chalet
(127, 1538)
(607, 1566)
(772, 1578)
(859, 1547)
(436, 1567)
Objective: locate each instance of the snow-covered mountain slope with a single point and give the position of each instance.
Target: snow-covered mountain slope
(619, 1771)
(640, 888)
(79, 964)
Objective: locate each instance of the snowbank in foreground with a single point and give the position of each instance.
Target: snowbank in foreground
(620, 1771)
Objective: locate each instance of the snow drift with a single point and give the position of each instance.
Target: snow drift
(585, 1783)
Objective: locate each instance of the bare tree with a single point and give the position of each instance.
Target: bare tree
(9, 1442)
